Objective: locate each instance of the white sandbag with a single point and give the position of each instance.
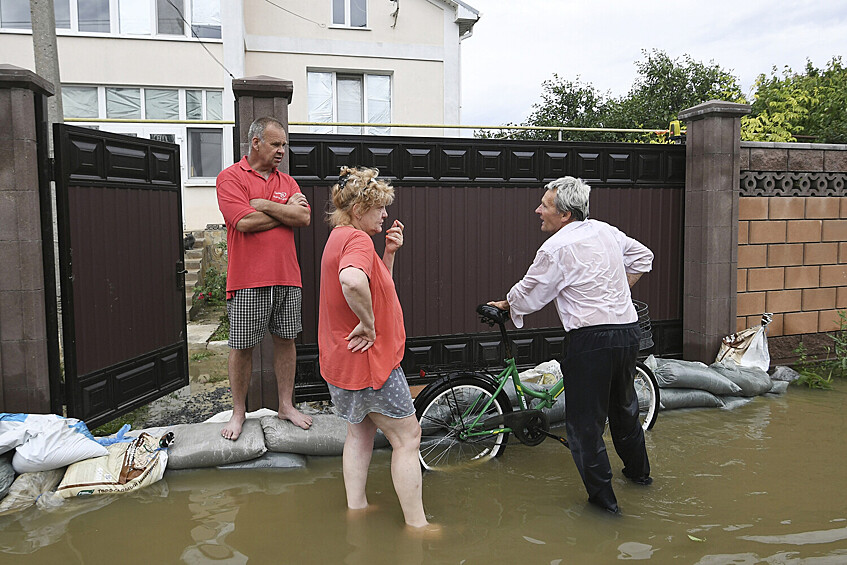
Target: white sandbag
(201, 445)
(674, 373)
(752, 381)
(128, 466)
(783, 373)
(28, 487)
(673, 398)
(57, 443)
(547, 373)
(270, 460)
(7, 474)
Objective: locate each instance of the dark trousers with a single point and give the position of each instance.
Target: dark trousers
(599, 367)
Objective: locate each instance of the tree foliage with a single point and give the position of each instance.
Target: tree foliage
(662, 88)
(800, 106)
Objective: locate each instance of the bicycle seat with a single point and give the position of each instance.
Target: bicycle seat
(492, 314)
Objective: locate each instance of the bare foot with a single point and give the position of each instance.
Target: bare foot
(428, 531)
(233, 428)
(295, 417)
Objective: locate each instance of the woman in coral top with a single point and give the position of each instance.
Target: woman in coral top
(362, 339)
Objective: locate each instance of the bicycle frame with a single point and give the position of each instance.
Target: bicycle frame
(546, 398)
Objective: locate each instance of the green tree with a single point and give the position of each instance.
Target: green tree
(808, 106)
(662, 88)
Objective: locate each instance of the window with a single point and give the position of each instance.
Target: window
(14, 14)
(350, 13)
(338, 97)
(126, 17)
(80, 102)
(131, 103)
(205, 152)
(160, 104)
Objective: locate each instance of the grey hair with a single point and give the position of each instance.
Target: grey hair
(258, 127)
(571, 196)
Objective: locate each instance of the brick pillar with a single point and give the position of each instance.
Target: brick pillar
(24, 345)
(258, 97)
(712, 170)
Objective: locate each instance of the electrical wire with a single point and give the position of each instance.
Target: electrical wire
(197, 37)
(295, 14)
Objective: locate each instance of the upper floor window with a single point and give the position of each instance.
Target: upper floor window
(350, 13)
(342, 97)
(201, 18)
(133, 103)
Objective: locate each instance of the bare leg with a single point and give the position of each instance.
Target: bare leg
(358, 448)
(404, 434)
(285, 365)
(240, 365)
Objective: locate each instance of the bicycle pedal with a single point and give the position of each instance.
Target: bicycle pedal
(560, 439)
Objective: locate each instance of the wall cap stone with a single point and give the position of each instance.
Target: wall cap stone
(263, 86)
(714, 108)
(17, 77)
(790, 145)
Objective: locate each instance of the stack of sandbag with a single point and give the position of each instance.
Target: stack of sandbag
(690, 384)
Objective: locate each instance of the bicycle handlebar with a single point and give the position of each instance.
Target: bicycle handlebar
(492, 314)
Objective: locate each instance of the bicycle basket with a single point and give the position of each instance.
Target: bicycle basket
(644, 323)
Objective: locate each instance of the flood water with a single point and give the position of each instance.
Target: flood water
(762, 483)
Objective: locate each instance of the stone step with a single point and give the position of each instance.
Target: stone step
(193, 264)
(191, 278)
(194, 254)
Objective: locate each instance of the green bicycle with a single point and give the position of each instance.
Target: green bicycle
(467, 417)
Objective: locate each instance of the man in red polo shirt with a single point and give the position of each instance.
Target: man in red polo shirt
(261, 207)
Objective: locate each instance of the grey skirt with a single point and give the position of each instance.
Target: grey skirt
(393, 399)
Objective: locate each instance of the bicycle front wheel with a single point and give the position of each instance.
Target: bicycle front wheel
(647, 390)
(446, 415)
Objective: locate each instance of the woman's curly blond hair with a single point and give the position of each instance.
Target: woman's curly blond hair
(357, 185)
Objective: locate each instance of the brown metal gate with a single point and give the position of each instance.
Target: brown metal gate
(471, 233)
(122, 272)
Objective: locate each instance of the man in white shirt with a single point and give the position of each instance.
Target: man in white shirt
(587, 267)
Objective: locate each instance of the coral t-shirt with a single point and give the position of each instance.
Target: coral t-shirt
(256, 259)
(350, 247)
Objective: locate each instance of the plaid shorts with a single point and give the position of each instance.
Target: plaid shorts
(252, 311)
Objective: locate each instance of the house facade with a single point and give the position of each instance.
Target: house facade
(163, 69)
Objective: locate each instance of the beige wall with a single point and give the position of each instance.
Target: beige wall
(418, 21)
(413, 100)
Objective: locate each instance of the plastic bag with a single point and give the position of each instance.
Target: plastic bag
(748, 348)
(127, 467)
(46, 441)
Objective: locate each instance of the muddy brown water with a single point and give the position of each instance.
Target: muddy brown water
(762, 483)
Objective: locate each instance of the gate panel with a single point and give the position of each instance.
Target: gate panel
(471, 233)
(122, 272)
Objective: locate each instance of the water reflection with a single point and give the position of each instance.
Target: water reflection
(759, 484)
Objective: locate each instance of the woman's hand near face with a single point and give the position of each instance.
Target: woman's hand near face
(394, 237)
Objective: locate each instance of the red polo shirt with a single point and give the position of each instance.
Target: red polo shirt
(256, 259)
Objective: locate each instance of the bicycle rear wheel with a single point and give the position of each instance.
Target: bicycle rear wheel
(447, 410)
(647, 389)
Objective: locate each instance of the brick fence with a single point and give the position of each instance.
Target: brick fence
(792, 241)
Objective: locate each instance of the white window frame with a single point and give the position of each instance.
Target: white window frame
(115, 23)
(347, 20)
(365, 110)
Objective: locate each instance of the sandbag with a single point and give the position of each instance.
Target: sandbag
(779, 387)
(270, 460)
(752, 381)
(747, 348)
(783, 373)
(673, 398)
(7, 473)
(28, 487)
(46, 441)
(201, 445)
(325, 437)
(128, 466)
(555, 413)
(674, 373)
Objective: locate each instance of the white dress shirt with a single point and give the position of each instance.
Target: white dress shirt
(583, 267)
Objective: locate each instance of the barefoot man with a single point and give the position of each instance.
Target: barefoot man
(262, 206)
